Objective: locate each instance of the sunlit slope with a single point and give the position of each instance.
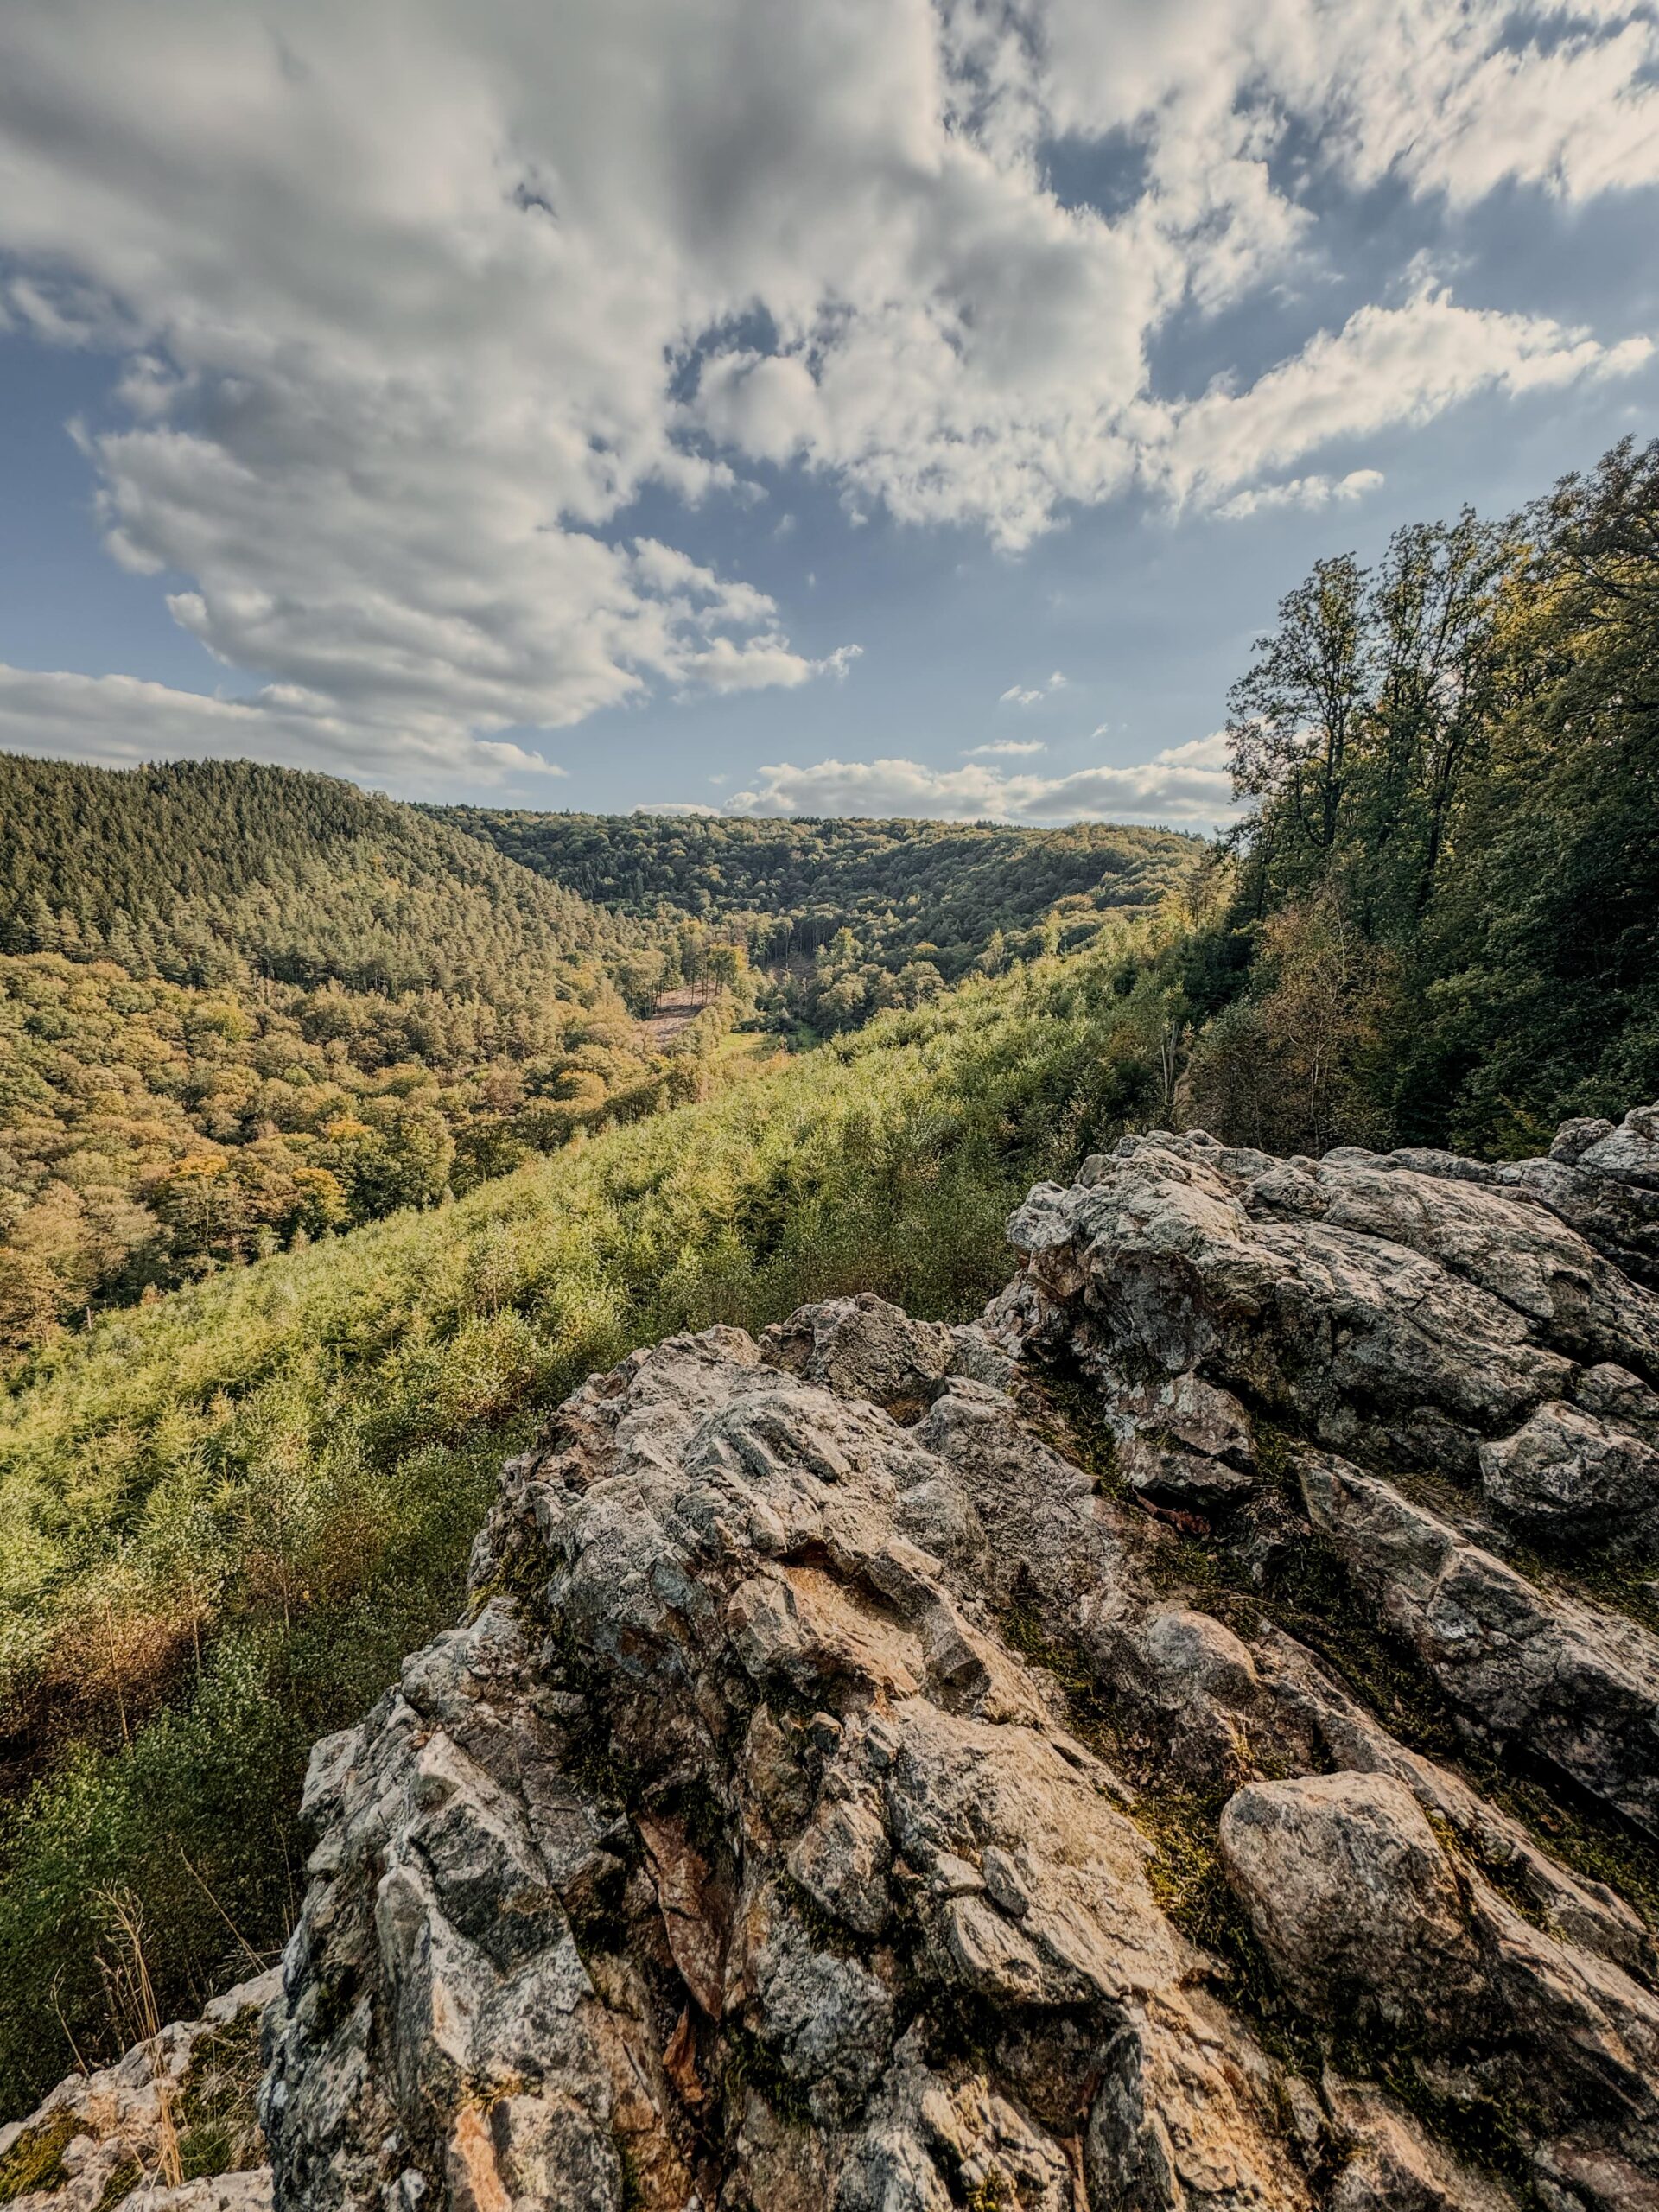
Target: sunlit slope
(223, 1516)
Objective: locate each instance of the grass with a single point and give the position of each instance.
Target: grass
(225, 1517)
(218, 2128)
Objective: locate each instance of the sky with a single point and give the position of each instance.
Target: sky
(877, 407)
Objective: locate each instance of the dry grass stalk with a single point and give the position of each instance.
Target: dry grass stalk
(134, 1997)
(259, 1963)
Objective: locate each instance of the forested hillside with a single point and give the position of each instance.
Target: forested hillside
(241, 1007)
(213, 871)
(225, 1516)
(1444, 926)
(849, 918)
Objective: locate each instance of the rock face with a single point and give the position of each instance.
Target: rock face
(107, 2140)
(1187, 1740)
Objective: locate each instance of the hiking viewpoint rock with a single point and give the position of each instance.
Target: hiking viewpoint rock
(1188, 1739)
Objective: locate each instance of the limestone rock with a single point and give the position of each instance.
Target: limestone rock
(863, 1347)
(1567, 1471)
(1576, 1685)
(745, 1780)
(1391, 2165)
(1351, 1895)
(837, 1794)
(1603, 1182)
(104, 2139)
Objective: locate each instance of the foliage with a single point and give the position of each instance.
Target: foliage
(846, 918)
(265, 1006)
(225, 1516)
(1457, 765)
(207, 872)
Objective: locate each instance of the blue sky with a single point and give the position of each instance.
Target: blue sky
(894, 408)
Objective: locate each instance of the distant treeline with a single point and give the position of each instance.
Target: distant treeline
(849, 917)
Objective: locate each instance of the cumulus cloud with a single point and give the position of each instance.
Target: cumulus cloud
(1386, 366)
(671, 807)
(119, 721)
(1185, 784)
(417, 301)
(1312, 491)
(1005, 748)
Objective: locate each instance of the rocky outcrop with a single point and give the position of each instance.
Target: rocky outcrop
(170, 2127)
(1186, 1740)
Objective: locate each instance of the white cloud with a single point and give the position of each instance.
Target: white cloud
(120, 721)
(1019, 694)
(1386, 366)
(1005, 748)
(676, 806)
(1302, 492)
(1186, 785)
(415, 299)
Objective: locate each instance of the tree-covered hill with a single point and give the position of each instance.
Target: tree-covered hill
(208, 871)
(851, 916)
(240, 1006)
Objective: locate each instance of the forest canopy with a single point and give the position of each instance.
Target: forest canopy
(241, 1008)
(845, 919)
(1444, 925)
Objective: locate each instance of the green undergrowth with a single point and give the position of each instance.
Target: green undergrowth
(219, 2126)
(125, 2176)
(749, 2065)
(226, 1516)
(994, 2194)
(36, 2160)
(1092, 1711)
(1065, 1408)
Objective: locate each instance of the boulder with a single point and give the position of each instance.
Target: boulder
(1565, 1471)
(1352, 1897)
(1565, 1681)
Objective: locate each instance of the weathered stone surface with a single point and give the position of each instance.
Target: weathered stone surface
(1568, 1472)
(1390, 2164)
(1367, 1919)
(104, 2140)
(1605, 1188)
(1573, 1684)
(862, 1347)
(1351, 1895)
(1356, 1337)
(1573, 1139)
(831, 1797)
(811, 1807)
